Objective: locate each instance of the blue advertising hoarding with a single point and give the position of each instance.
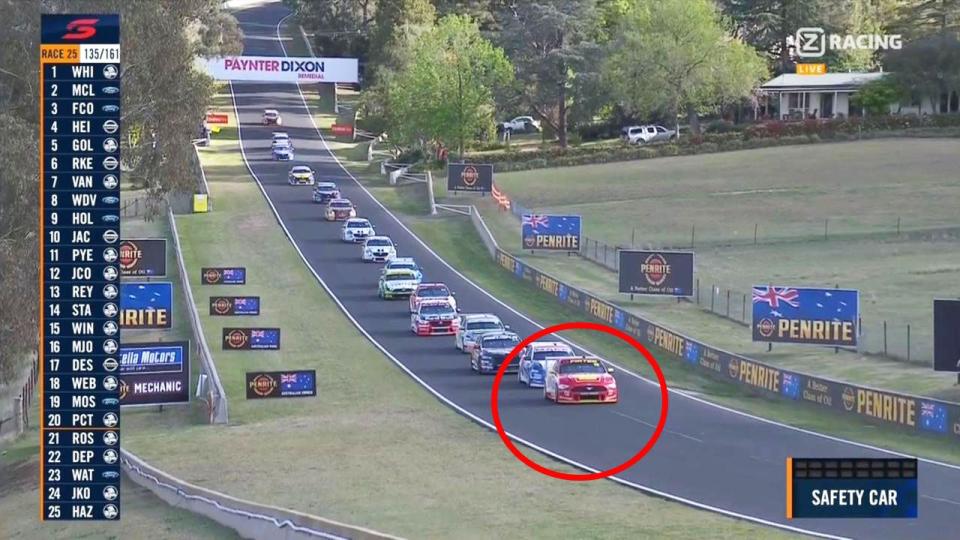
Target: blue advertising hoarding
(155, 373)
(806, 315)
(549, 232)
(146, 305)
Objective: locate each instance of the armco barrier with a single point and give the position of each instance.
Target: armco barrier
(485, 235)
(915, 413)
(216, 397)
(249, 519)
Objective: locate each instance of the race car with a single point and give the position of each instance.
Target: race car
(283, 152)
(491, 350)
(431, 291)
(399, 282)
(300, 175)
(325, 192)
(535, 360)
(339, 210)
(356, 230)
(580, 380)
(272, 117)
(406, 263)
(280, 138)
(434, 318)
(378, 249)
(474, 325)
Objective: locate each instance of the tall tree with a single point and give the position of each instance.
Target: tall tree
(675, 54)
(766, 24)
(338, 27)
(397, 24)
(446, 92)
(916, 19)
(927, 68)
(553, 44)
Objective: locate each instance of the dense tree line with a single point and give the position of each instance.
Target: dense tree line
(577, 61)
(164, 100)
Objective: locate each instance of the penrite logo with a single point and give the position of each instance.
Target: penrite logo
(766, 327)
(130, 255)
(470, 175)
(263, 385)
(849, 398)
(237, 339)
(79, 29)
(222, 305)
(655, 269)
(212, 275)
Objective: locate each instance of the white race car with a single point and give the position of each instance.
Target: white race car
(536, 359)
(378, 249)
(474, 325)
(280, 138)
(356, 230)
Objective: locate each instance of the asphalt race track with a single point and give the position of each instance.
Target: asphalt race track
(708, 456)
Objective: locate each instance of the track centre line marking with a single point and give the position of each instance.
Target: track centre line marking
(648, 424)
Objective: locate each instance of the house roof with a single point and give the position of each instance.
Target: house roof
(833, 82)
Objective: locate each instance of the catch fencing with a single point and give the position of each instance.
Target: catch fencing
(209, 384)
(17, 420)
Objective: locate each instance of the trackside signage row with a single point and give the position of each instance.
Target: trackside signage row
(930, 416)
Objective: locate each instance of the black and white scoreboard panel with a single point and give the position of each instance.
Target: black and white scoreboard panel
(80, 274)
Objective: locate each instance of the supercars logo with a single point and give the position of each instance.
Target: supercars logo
(849, 398)
(79, 29)
(263, 385)
(130, 255)
(212, 276)
(237, 339)
(655, 269)
(470, 176)
(222, 306)
(766, 327)
(734, 368)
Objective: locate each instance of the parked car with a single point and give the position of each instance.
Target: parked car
(520, 124)
(646, 134)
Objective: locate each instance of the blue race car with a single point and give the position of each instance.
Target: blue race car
(534, 360)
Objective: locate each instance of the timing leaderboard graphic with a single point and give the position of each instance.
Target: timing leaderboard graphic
(79, 239)
(851, 488)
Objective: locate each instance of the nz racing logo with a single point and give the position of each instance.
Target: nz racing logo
(813, 42)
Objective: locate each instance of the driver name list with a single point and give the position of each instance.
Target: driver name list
(80, 277)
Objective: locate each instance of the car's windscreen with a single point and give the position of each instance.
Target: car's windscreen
(436, 310)
(543, 355)
(500, 343)
(404, 266)
(588, 367)
(398, 277)
(379, 242)
(358, 225)
(301, 171)
(326, 187)
(340, 205)
(434, 292)
(483, 325)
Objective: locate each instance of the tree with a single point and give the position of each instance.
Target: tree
(674, 54)
(397, 24)
(920, 18)
(446, 92)
(927, 68)
(877, 96)
(553, 44)
(766, 24)
(339, 27)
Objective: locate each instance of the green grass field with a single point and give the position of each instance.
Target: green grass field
(373, 448)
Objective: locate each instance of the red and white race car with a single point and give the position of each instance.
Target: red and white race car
(435, 318)
(580, 380)
(431, 291)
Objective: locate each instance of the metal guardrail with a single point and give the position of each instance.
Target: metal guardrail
(216, 396)
(249, 519)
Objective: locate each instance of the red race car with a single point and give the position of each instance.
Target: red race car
(431, 291)
(580, 380)
(435, 318)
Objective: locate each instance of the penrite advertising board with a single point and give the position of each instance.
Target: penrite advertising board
(155, 373)
(146, 305)
(667, 273)
(811, 316)
(251, 339)
(469, 177)
(281, 384)
(233, 275)
(143, 257)
(946, 335)
(226, 306)
(549, 232)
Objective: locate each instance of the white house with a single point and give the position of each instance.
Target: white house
(828, 95)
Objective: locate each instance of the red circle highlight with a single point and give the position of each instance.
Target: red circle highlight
(580, 325)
